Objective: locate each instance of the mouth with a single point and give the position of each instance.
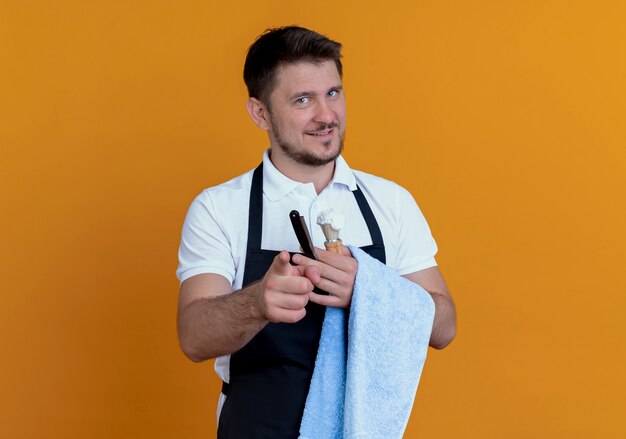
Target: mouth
(321, 133)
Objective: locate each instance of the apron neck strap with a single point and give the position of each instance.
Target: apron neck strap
(255, 211)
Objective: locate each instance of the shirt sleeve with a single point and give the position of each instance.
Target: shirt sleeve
(204, 245)
(416, 245)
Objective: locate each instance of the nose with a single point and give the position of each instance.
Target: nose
(324, 112)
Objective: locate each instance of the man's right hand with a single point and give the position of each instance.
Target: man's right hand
(284, 290)
(214, 321)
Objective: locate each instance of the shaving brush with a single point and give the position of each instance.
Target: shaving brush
(331, 221)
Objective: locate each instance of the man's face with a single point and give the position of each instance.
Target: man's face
(307, 111)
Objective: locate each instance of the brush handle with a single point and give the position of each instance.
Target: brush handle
(333, 246)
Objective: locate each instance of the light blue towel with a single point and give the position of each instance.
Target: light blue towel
(366, 373)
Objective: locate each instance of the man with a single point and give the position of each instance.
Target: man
(241, 300)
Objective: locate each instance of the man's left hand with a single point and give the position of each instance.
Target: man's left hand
(338, 272)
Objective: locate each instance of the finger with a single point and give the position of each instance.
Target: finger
(288, 315)
(326, 271)
(332, 266)
(330, 287)
(288, 284)
(302, 260)
(340, 261)
(295, 285)
(345, 251)
(324, 300)
(292, 301)
(311, 272)
(281, 265)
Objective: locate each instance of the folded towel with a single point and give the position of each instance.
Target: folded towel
(369, 364)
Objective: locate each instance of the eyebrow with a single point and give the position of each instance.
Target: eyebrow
(310, 93)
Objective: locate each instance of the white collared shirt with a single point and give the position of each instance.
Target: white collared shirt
(215, 232)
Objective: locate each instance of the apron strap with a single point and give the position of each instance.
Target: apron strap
(368, 216)
(255, 211)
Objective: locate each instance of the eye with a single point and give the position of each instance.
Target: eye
(302, 100)
(333, 93)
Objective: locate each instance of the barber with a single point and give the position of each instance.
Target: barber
(247, 297)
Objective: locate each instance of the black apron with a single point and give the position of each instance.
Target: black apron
(270, 376)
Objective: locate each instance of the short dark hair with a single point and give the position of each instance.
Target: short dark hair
(285, 45)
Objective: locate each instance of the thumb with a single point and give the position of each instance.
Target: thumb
(281, 265)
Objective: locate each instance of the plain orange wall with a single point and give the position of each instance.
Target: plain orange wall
(506, 120)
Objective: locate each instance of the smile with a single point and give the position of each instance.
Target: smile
(321, 133)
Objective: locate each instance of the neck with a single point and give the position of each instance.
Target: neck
(320, 176)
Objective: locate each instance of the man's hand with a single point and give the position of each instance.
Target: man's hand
(214, 321)
(284, 290)
(337, 274)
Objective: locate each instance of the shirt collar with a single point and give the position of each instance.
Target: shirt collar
(276, 185)
(343, 174)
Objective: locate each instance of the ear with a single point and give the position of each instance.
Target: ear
(259, 114)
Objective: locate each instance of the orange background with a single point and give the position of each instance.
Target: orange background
(506, 120)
